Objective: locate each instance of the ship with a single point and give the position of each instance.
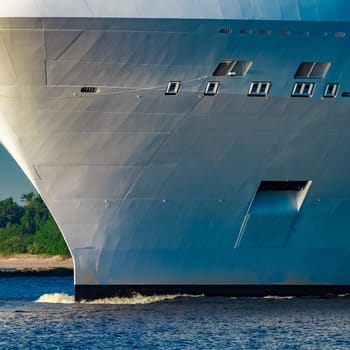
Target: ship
(186, 147)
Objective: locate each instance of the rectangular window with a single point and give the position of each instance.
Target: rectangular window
(212, 88)
(320, 70)
(241, 68)
(173, 88)
(246, 31)
(304, 70)
(307, 90)
(224, 68)
(233, 68)
(331, 90)
(312, 70)
(303, 90)
(259, 88)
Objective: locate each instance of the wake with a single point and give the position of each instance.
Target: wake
(62, 298)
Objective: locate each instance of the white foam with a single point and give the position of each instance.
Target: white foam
(276, 297)
(56, 298)
(62, 298)
(340, 296)
(136, 299)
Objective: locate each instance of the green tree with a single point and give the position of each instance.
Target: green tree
(12, 240)
(28, 198)
(49, 240)
(10, 212)
(35, 212)
(29, 229)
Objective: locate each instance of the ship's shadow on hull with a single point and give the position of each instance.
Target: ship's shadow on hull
(92, 292)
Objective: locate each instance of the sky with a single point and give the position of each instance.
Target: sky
(13, 182)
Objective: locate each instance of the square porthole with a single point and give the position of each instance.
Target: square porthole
(212, 88)
(331, 90)
(173, 88)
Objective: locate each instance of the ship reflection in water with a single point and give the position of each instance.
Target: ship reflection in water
(164, 322)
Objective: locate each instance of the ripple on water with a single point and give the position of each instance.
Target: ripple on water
(56, 321)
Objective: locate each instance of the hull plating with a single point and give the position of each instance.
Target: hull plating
(156, 190)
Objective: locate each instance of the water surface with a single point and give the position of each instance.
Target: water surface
(164, 322)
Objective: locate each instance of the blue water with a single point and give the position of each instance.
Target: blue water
(181, 323)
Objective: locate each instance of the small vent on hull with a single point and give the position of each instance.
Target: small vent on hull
(89, 90)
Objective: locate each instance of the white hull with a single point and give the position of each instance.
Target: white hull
(158, 190)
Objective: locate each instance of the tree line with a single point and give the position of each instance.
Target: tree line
(29, 228)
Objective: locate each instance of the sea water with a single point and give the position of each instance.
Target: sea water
(40, 313)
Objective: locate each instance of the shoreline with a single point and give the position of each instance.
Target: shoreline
(26, 265)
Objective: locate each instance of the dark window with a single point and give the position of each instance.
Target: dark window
(298, 89)
(241, 68)
(224, 68)
(212, 88)
(233, 68)
(225, 30)
(246, 31)
(172, 88)
(320, 70)
(315, 70)
(303, 90)
(304, 70)
(265, 32)
(331, 90)
(259, 88)
(307, 91)
(285, 32)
